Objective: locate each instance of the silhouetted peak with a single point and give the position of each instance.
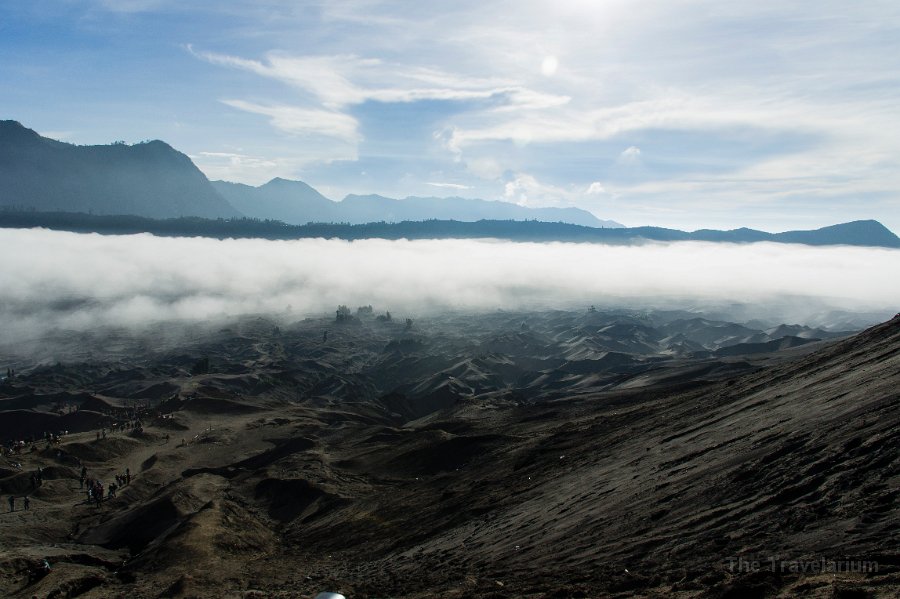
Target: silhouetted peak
(867, 227)
(279, 182)
(156, 145)
(10, 124)
(157, 152)
(148, 179)
(15, 129)
(870, 232)
(862, 225)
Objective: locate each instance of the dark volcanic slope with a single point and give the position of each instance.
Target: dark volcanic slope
(375, 464)
(799, 461)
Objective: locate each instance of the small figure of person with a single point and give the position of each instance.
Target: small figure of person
(27, 501)
(12, 503)
(38, 571)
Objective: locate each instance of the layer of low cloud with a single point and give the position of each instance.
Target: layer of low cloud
(74, 281)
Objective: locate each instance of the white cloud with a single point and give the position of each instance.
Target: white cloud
(486, 167)
(342, 80)
(231, 166)
(304, 121)
(449, 185)
(325, 77)
(596, 188)
(671, 111)
(521, 98)
(630, 155)
(518, 190)
(524, 189)
(336, 82)
(136, 279)
(527, 190)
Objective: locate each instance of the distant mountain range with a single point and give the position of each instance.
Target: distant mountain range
(858, 233)
(295, 202)
(44, 182)
(154, 180)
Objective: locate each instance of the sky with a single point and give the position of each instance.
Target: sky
(682, 113)
(80, 282)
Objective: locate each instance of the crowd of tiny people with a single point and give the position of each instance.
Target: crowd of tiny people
(94, 489)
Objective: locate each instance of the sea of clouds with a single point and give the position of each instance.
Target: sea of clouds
(54, 280)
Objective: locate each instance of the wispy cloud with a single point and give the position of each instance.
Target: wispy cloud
(448, 185)
(630, 155)
(526, 190)
(304, 121)
(595, 188)
(338, 81)
(231, 165)
(341, 80)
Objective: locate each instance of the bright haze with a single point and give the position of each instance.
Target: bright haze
(66, 281)
(695, 114)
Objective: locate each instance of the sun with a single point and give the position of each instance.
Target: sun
(549, 66)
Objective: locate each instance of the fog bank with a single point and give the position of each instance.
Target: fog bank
(53, 279)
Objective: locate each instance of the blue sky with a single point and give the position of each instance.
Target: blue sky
(688, 114)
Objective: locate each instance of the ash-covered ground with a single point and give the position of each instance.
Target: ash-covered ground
(504, 454)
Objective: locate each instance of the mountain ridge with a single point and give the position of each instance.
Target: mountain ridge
(152, 180)
(149, 179)
(297, 203)
(874, 234)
